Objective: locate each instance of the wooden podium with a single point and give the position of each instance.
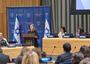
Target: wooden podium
(28, 39)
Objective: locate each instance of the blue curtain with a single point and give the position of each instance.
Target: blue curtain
(26, 16)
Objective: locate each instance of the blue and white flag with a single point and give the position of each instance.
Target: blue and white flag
(17, 32)
(47, 29)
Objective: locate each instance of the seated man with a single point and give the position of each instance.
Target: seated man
(77, 57)
(3, 41)
(4, 59)
(66, 56)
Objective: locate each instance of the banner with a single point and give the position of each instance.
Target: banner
(27, 16)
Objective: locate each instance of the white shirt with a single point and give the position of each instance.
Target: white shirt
(60, 35)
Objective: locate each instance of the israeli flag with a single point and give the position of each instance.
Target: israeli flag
(47, 29)
(16, 31)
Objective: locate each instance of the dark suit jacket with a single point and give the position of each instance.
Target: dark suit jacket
(19, 60)
(64, 57)
(4, 59)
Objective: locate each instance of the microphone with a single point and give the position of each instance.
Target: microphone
(53, 50)
(74, 49)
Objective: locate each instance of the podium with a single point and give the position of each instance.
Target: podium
(28, 39)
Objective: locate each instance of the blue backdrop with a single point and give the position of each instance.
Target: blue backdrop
(26, 16)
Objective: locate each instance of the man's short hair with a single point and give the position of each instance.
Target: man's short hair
(77, 57)
(67, 47)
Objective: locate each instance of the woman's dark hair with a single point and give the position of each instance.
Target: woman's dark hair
(77, 57)
(85, 50)
(64, 29)
(82, 48)
(67, 47)
(81, 31)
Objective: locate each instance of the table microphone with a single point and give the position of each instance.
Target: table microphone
(74, 49)
(53, 49)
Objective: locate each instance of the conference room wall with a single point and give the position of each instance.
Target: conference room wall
(61, 16)
(12, 3)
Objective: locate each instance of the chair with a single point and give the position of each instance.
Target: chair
(88, 35)
(67, 62)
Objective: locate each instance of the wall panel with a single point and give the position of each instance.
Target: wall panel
(1, 6)
(71, 22)
(12, 3)
(1, 25)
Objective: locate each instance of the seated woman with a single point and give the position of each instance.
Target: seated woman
(3, 41)
(79, 32)
(62, 32)
(30, 58)
(23, 52)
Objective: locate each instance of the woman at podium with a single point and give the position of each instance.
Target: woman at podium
(33, 32)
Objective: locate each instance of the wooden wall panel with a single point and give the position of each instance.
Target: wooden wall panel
(5, 29)
(1, 6)
(1, 26)
(12, 3)
(22, 2)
